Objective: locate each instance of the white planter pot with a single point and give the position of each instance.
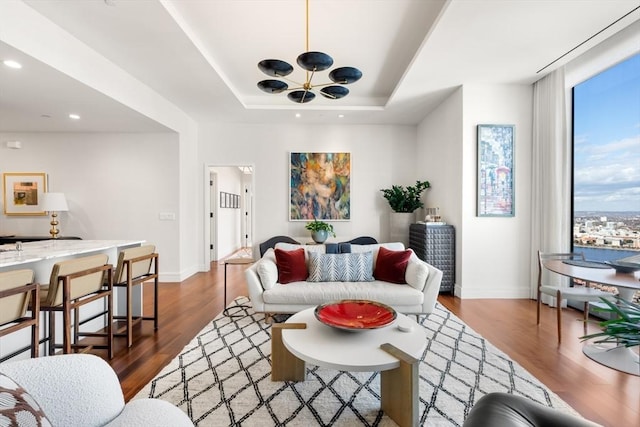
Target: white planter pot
(399, 227)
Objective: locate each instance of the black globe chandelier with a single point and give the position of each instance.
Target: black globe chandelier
(311, 62)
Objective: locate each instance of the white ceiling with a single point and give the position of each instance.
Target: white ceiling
(202, 55)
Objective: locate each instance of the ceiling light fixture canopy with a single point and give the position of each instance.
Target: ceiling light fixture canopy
(311, 62)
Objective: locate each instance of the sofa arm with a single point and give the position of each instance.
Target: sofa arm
(254, 286)
(431, 288)
(71, 389)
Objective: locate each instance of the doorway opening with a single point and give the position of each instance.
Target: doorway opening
(229, 212)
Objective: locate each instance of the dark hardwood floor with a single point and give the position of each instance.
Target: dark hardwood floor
(599, 393)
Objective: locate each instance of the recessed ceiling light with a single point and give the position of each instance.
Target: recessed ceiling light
(12, 64)
(340, 116)
(298, 115)
(74, 116)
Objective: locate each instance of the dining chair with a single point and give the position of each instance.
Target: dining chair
(73, 284)
(271, 243)
(136, 266)
(575, 292)
(17, 291)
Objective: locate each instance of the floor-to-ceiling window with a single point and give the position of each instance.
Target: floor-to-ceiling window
(606, 168)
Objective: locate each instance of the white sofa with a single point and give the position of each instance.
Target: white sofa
(83, 390)
(418, 296)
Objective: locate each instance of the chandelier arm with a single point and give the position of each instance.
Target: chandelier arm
(291, 81)
(328, 84)
(309, 78)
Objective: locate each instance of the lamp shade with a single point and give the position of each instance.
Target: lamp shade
(54, 202)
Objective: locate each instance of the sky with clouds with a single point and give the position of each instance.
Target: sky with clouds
(607, 140)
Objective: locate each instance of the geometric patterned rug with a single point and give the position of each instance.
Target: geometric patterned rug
(222, 378)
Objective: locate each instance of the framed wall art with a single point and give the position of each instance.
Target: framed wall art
(319, 186)
(496, 170)
(22, 193)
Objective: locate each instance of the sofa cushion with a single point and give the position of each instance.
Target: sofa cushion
(307, 248)
(291, 265)
(17, 407)
(356, 267)
(316, 293)
(394, 246)
(332, 248)
(391, 265)
(345, 248)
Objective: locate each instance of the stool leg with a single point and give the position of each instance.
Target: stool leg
(129, 313)
(52, 332)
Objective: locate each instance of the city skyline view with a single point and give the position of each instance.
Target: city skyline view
(607, 140)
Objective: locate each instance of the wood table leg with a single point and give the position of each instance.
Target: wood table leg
(399, 388)
(284, 365)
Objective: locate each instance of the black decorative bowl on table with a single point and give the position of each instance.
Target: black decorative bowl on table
(355, 315)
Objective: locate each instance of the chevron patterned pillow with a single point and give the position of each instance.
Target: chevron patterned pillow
(351, 267)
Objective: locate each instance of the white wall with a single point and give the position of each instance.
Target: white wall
(62, 51)
(492, 254)
(116, 185)
(438, 160)
(380, 156)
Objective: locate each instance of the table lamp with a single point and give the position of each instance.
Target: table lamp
(54, 203)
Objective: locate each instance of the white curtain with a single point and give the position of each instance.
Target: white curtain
(551, 173)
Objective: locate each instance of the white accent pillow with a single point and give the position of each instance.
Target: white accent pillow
(416, 274)
(268, 272)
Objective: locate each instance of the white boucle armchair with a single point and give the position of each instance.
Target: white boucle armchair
(83, 390)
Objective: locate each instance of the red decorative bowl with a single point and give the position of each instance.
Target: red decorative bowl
(355, 315)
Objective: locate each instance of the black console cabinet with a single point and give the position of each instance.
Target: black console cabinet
(436, 245)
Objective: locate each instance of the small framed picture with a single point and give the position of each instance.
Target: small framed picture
(22, 193)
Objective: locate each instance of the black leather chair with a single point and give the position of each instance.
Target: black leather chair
(264, 246)
(508, 410)
(363, 240)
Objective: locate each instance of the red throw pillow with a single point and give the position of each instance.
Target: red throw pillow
(391, 265)
(291, 266)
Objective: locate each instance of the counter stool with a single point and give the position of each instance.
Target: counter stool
(136, 266)
(74, 283)
(16, 292)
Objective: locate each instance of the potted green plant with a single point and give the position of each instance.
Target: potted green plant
(405, 199)
(320, 230)
(623, 329)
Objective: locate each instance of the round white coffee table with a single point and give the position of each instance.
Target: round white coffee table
(392, 352)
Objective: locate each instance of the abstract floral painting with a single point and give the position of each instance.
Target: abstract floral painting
(320, 186)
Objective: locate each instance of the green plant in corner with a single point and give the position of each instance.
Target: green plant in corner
(624, 329)
(405, 199)
(320, 226)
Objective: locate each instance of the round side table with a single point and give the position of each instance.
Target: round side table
(233, 261)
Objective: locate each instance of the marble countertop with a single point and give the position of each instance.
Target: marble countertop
(49, 249)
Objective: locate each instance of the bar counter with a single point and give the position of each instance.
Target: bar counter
(40, 256)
